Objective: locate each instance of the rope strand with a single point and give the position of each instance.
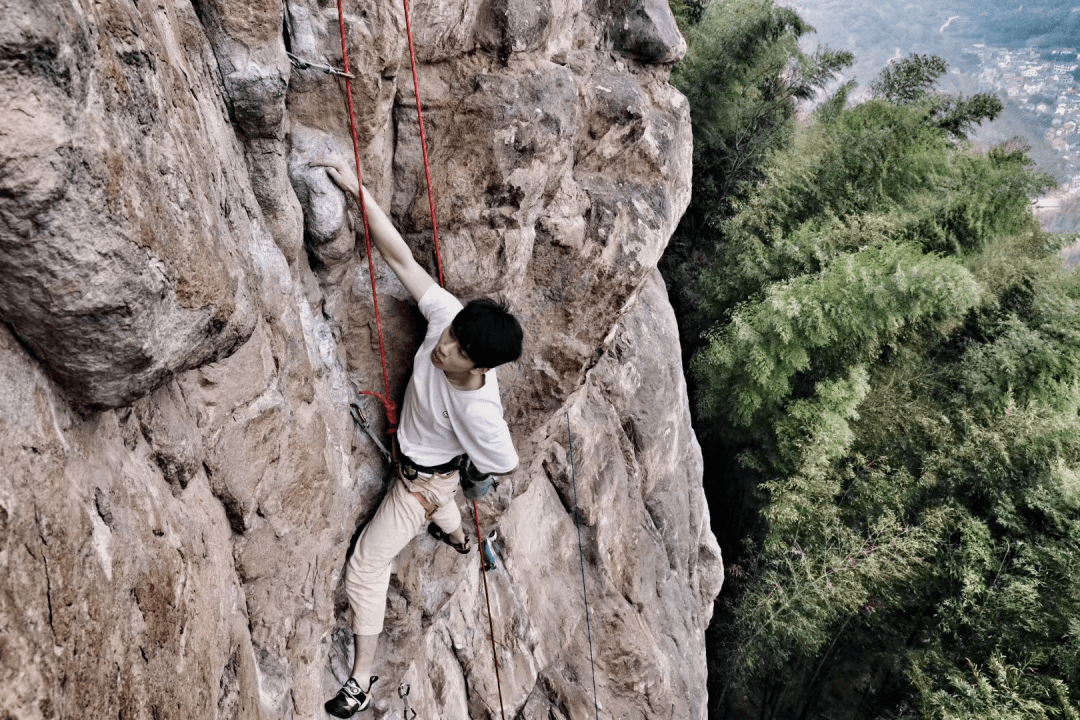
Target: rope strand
(388, 403)
(391, 408)
(423, 143)
(442, 283)
(491, 623)
(581, 555)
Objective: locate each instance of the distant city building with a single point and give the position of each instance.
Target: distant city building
(1029, 78)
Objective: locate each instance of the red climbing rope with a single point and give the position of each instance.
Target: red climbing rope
(388, 403)
(423, 143)
(491, 623)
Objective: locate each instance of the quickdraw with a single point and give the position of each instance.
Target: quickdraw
(403, 693)
(361, 421)
(302, 64)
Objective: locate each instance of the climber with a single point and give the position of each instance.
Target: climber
(451, 409)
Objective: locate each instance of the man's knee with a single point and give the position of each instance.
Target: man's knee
(363, 569)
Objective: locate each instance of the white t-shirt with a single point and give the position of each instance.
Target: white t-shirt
(439, 421)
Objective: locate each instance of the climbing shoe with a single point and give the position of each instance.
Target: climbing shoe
(350, 699)
(436, 532)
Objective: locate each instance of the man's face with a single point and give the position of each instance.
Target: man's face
(448, 355)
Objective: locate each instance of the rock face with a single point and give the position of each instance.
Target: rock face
(187, 318)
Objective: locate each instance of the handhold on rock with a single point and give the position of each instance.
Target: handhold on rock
(256, 97)
(326, 227)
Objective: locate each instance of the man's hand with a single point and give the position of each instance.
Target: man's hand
(339, 172)
(393, 248)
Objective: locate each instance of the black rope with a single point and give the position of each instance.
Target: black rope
(581, 555)
(491, 623)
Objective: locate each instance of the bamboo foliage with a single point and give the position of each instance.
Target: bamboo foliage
(890, 378)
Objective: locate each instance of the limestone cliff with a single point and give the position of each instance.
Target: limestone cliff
(187, 318)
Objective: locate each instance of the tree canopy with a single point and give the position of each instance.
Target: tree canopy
(743, 75)
(890, 375)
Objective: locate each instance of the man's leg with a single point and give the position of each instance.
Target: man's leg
(448, 518)
(367, 576)
(363, 657)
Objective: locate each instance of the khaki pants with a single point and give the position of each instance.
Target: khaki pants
(399, 518)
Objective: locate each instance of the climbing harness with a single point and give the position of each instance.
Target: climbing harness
(403, 693)
(581, 555)
(302, 64)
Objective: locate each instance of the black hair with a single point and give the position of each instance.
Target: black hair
(488, 333)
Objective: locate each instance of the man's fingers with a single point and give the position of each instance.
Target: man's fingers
(336, 169)
(335, 174)
(327, 161)
(339, 180)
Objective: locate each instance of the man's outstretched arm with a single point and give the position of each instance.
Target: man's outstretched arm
(383, 233)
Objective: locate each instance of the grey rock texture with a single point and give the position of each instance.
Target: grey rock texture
(123, 243)
(187, 316)
(646, 30)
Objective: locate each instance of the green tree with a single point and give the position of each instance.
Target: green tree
(895, 360)
(687, 12)
(743, 75)
(778, 349)
(911, 82)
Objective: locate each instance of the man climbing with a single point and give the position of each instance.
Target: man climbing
(452, 409)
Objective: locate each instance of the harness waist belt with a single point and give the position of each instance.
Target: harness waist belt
(448, 466)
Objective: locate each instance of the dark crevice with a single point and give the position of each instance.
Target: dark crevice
(594, 360)
(234, 512)
(564, 500)
(657, 522)
(229, 687)
(104, 511)
(48, 595)
(461, 663)
(234, 509)
(48, 583)
(199, 6)
(286, 26)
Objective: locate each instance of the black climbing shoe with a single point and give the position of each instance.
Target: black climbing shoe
(436, 532)
(350, 699)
